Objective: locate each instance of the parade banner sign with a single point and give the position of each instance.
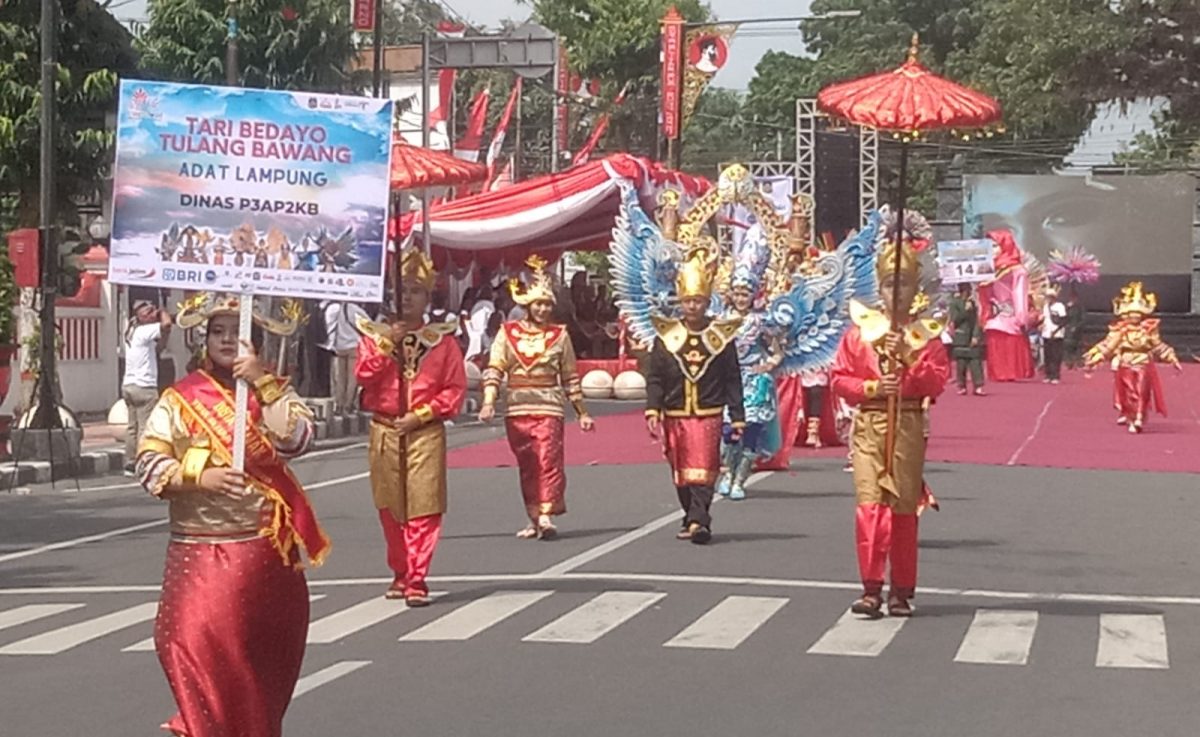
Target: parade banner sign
(707, 53)
(966, 262)
(225, 189)
(364, 15)
(672, 74)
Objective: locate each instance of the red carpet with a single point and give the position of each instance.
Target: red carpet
(1029, 423)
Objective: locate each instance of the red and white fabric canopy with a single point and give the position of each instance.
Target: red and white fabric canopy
(570, 211)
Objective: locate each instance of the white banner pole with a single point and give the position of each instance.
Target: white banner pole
(242, 394)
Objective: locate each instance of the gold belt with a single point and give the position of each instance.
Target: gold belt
(880, 405)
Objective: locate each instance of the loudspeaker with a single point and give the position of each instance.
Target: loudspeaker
(837, 171)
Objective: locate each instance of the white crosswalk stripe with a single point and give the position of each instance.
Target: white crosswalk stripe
(342, 624)
(1132, 641)
(729, 623)
(471, 619)
(326, 675)
(993, 636)
(64, 638)
(855, 636)
(596, 618)
(32, 612)
(998, 637)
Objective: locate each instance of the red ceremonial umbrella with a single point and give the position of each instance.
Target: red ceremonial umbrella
(414, 167)
(908, 102)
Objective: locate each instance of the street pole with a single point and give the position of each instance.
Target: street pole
(47, 416)
(231, 45)
(554, 142)
(426, 79)
(377, 79)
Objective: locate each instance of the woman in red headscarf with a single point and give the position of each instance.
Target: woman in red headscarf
(1005, 301)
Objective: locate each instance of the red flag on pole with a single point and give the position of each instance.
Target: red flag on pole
(504, 178)
(600, 129)
(502, 127)
(446, 77)
(468, 146)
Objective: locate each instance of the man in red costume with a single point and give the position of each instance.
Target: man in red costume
(876, 365)
(1134, 342)
(413, 380)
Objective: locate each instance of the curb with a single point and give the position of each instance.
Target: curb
(328, 433)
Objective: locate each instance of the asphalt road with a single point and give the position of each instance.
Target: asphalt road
(1052, 603)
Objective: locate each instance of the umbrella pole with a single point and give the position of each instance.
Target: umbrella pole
(893, 362)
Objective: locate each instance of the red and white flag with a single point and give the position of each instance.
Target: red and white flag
(504, 178)
(446, 77)
(468, 146)
(601, 128)
(502, 127)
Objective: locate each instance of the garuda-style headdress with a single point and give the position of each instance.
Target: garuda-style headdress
(416, 268)
(541, 288)
(203, 306)
(917, 232)
(750, 261)
(1132, 299)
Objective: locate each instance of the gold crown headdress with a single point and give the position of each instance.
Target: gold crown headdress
(910, 263)
(1133, 299)
(697, 272)
(416, 267)
(203, 306)
(541, 288)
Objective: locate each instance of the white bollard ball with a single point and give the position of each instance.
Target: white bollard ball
(630, 385)
(119, 414)
(597, 385)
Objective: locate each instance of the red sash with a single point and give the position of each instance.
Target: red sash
(208, 407)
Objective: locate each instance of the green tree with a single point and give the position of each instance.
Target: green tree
(717, 134)
(94, 49)
(282, 44)
(617, 41)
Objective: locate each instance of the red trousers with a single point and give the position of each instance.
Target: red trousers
(410, 547)
(884, 536)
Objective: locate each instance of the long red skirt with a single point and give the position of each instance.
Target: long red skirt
(230, 635)
(1009, 357)
(1138, 388)
(693, 448)
(537, 442)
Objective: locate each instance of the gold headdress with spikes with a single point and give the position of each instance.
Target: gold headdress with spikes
(1133, 299)
(540, 289)
(203, 306)
(697, 272)
(910, 264)
(415, 267)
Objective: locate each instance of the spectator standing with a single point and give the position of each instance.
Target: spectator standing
(144, 339)
(341, 341)
(1054, 328)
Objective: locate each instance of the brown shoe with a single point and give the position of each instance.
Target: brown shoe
(868, 605)
(898, 606)
(687, 532)
(701, 535)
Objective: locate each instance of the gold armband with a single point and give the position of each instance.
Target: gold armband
(653, 413)
(195, 460)
(269, 389)
(871, 388)
(737, 425)
(489, 394)
(424, 413)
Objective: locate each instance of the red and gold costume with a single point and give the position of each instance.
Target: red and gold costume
(1134, 345)
(692, 378)
(233, 616)
(408, 470)
(539, 362)
(888, 504)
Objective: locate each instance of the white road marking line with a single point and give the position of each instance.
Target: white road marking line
(856, 636)
(32, 612)
(1037, 425)
(75, 542)
(618, 577)
(475, 617)
(342, 624)
(1132, 641)
(621, 541)
(147, 645)
(998, 637)
(729, 623)
(596, 618)
(326, 675)
(64, 638)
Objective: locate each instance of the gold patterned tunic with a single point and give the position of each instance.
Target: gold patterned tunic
(540, 365)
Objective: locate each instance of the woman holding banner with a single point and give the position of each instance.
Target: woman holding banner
(233, 615)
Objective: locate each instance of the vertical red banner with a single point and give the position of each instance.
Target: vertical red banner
(562, 88)
(364, 15)
(672, 71)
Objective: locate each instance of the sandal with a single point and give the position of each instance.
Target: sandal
(396, 590)
(418, 600)
(686, 533)
(898, 606)
(528, 533)
(869, 605)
